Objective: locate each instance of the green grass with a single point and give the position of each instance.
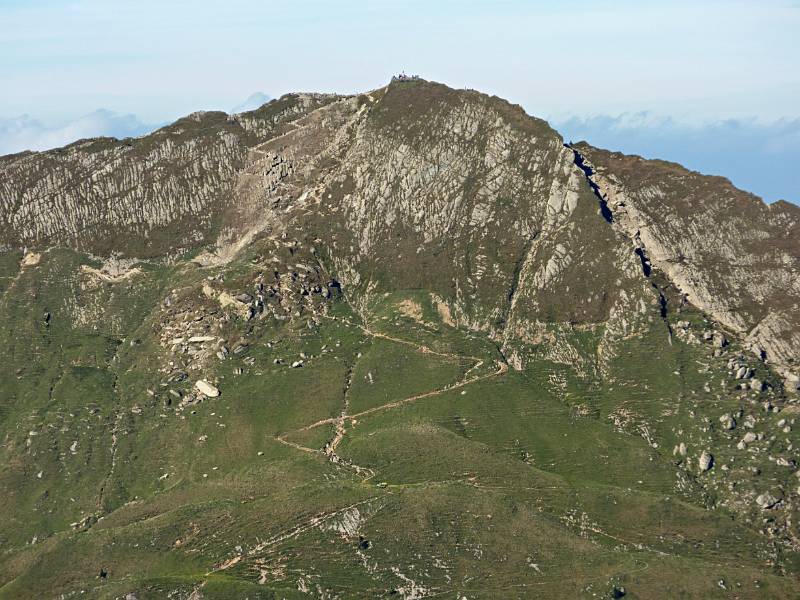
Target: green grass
(516, 485)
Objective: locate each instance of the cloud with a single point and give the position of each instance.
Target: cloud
(26, 133)
(756, 156)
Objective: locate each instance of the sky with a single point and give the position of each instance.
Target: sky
(713, 84)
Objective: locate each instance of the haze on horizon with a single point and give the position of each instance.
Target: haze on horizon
(712, 85)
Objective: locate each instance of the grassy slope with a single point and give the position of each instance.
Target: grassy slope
(505, 487)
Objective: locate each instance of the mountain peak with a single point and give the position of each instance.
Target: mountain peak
(250, 344)
(254, 101)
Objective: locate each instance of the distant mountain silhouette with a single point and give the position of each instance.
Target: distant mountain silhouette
(255, 101)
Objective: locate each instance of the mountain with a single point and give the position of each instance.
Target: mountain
(405, 344)
(253, 102)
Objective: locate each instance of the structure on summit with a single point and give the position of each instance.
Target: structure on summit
(403, 77)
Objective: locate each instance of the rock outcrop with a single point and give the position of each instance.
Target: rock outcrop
(733, 256)
(417, 186)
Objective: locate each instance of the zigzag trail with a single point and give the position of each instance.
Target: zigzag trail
(339, 421)
(330, 448)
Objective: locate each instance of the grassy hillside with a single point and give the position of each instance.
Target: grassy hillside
(453, 475)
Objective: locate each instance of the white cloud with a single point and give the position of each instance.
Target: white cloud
(25, 133)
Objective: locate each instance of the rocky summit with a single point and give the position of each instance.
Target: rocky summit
(402, 344)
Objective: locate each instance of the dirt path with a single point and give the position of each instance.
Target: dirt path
(467, 380)
(339, 422)
(110, 474)
(286, 442)
(329, 450)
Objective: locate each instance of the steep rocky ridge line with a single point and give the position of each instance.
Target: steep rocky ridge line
(164, 193)
(731, 255)
(638, 247)
(181, 410)
(465, 202)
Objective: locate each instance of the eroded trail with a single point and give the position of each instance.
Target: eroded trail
(110, 474)
(501, 369)
(329, 450)
(286, 442)
(340, 430)
(330, 447)
(267, 545)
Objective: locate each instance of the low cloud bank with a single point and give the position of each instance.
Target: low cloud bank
(25, 133)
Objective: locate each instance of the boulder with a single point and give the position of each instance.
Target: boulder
(206, 388)
(706, 461)
(767, 500)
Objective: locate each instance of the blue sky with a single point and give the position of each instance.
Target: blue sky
(694, 69)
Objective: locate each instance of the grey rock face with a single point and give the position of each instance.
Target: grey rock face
(141, 197)
(734, 256)
(483, 206)
(206, 388)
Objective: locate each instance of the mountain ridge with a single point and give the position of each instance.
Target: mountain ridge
(240, 139)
